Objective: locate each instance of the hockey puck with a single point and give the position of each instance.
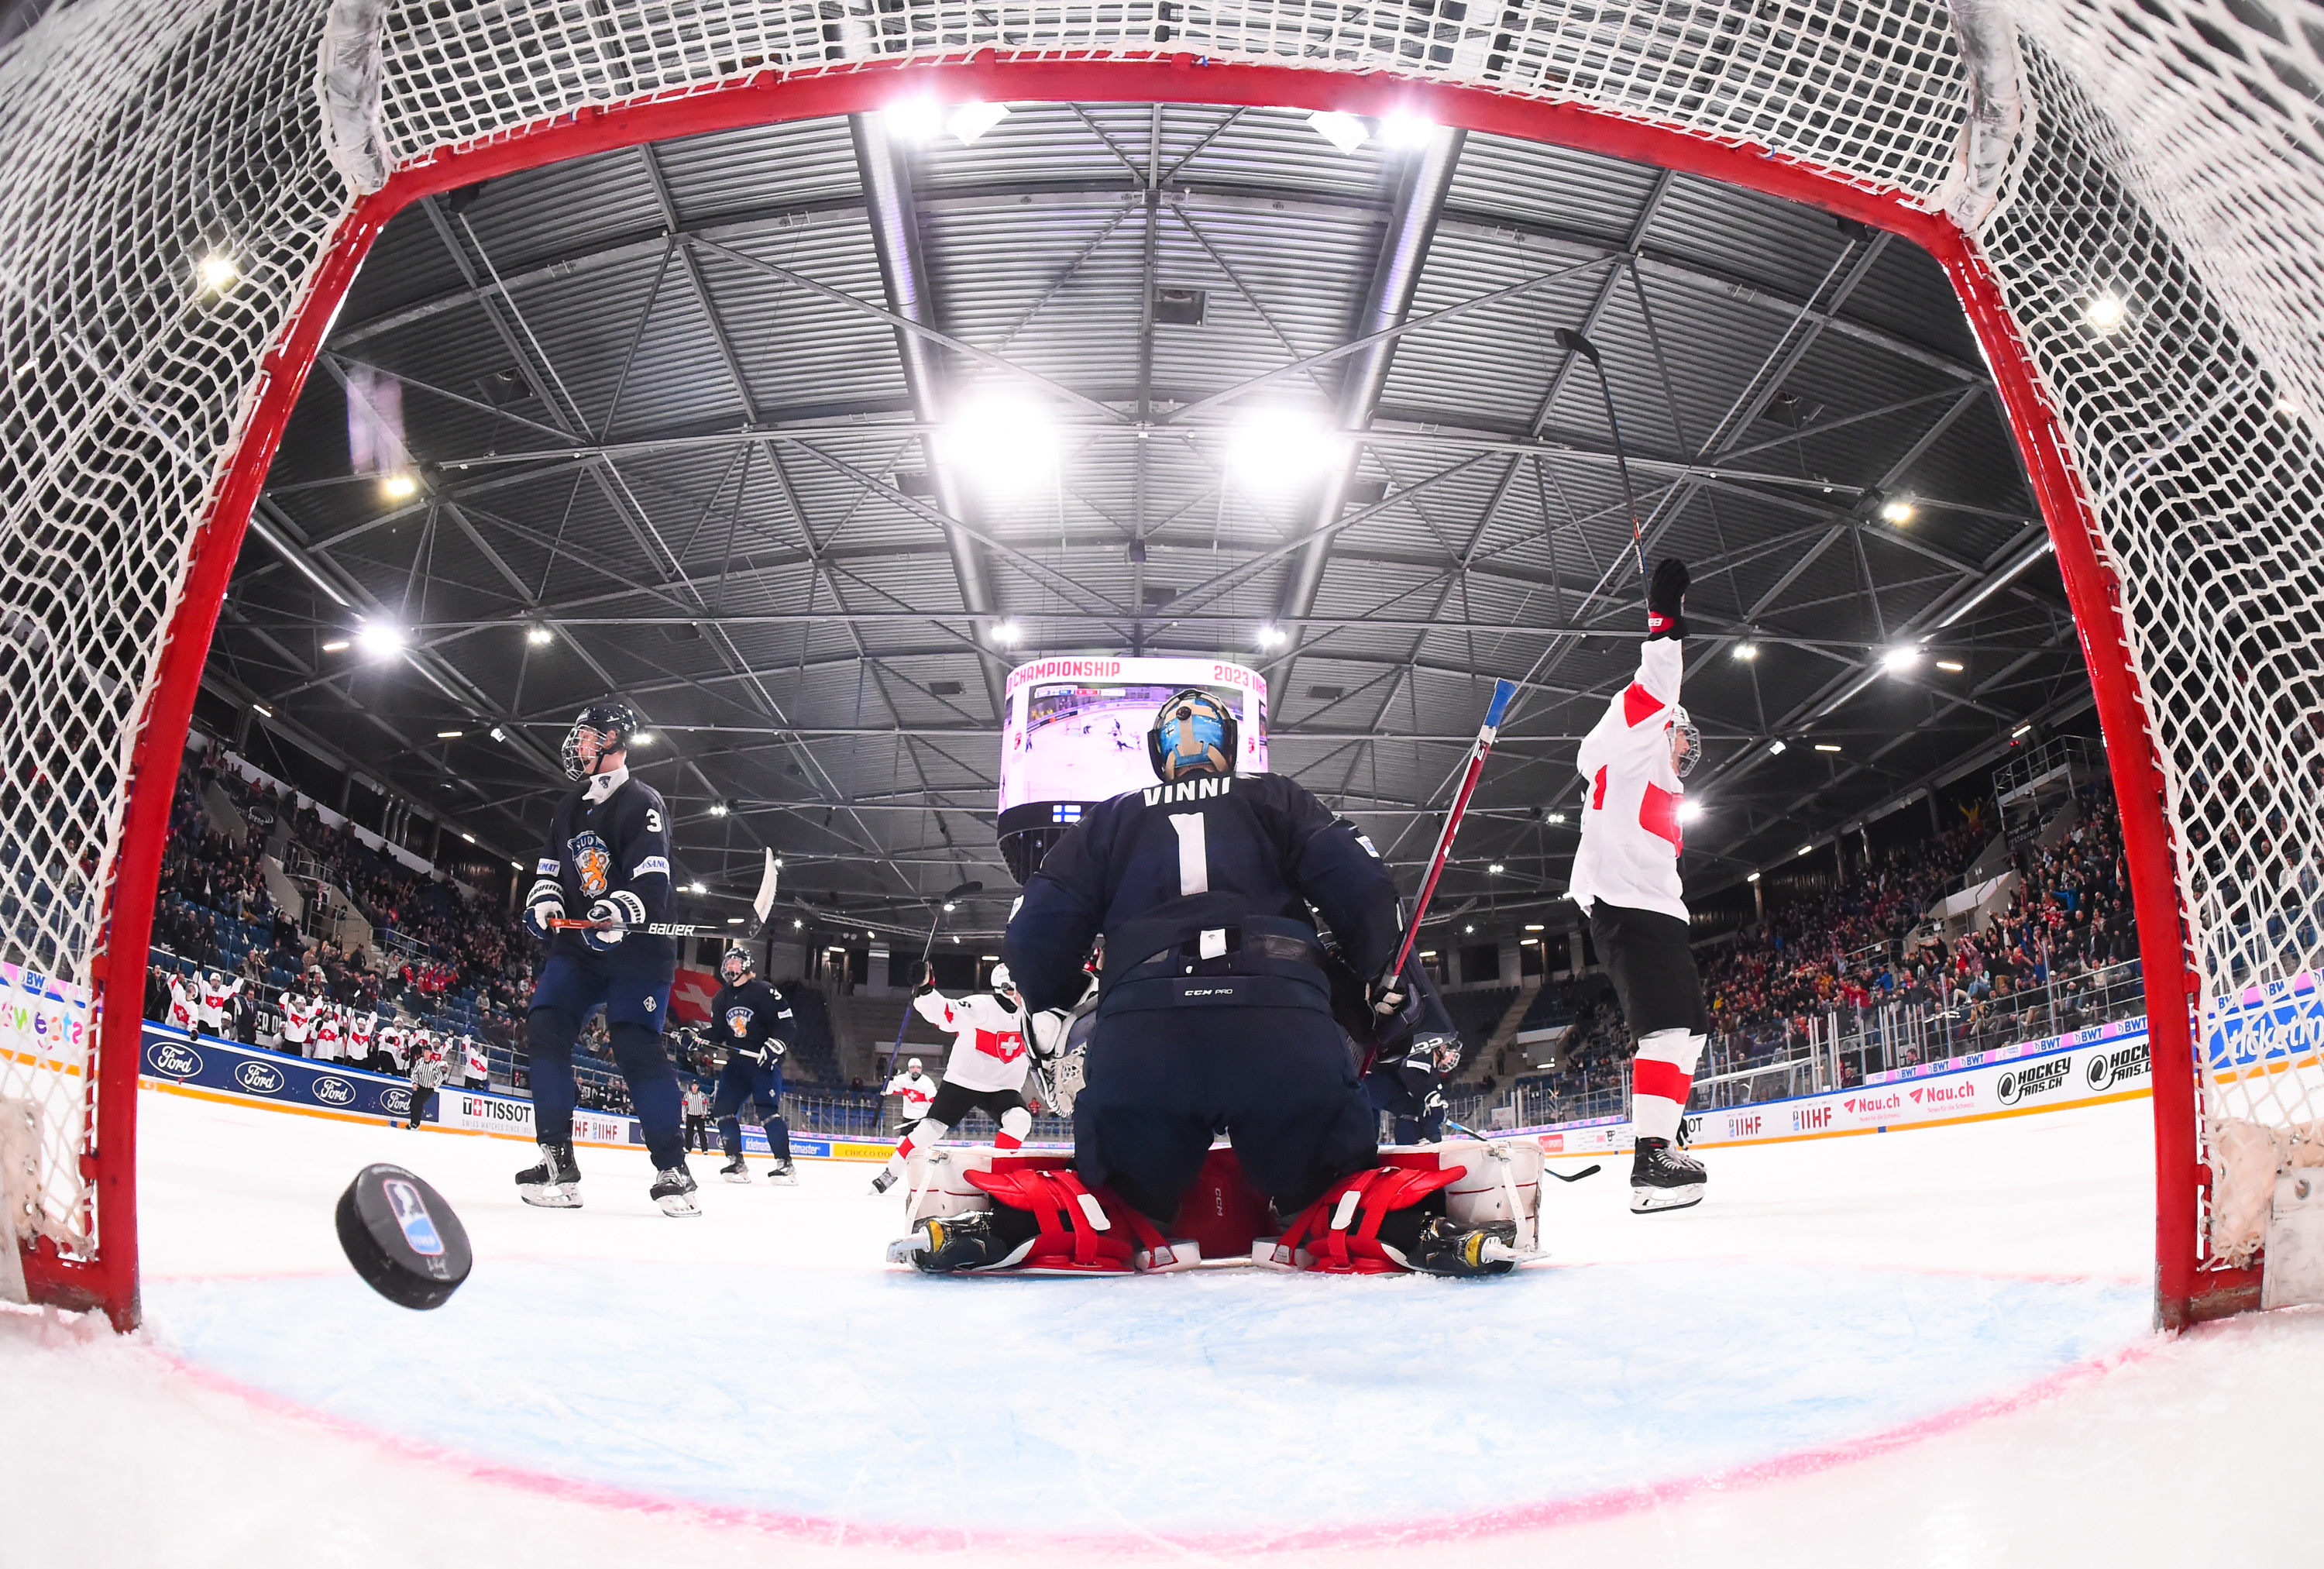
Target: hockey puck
(402, 1238)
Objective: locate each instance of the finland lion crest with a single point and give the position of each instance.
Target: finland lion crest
(594, 862)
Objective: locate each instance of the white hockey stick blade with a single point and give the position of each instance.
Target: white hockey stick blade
(764, 901)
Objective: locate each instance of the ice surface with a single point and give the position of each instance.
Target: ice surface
(1919, 1347)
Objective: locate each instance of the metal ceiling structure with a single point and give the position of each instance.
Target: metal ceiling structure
(681, 416)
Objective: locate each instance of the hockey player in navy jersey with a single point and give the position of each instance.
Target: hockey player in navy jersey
(1214, 1014)
(607, 859)
(1412, 1055)
(1626, 879)
(757, 1027)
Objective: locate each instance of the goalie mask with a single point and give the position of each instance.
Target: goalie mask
(1194, 737)
(1444, 1051)
(735, 966)
(1004, 983)
(609, 725)
(1686, 749)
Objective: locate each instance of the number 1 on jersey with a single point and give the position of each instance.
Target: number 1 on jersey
(1194, 853)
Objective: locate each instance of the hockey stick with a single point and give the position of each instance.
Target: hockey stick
(762, 903)
(1479, 749)
(961, 892)
(1575, 343)
(1592, 1169)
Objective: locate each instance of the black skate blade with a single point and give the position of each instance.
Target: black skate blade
(402, 1238)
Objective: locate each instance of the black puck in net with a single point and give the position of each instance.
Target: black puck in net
(402, 1238)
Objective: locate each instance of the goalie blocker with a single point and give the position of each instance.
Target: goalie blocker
(1463, 1209)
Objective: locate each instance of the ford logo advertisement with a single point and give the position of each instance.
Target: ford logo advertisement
(259, 1078)
(173, 1060)
(395, 1100)
(333, 1091)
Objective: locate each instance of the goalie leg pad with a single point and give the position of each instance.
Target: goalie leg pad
(1082, 1231)
(1340, 1233)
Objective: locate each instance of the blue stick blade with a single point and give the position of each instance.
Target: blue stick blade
(1503, 691)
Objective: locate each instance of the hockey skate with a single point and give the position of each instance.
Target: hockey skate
(734, 1170)
(949, 1244)
(555, 1183)
(673, 1190)
(882, 1183)
(783, 1175)
(1444, 1248)
(1663, 1177)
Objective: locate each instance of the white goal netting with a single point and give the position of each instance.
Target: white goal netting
(2145, 178)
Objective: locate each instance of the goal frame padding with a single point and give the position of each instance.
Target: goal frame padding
(2183, 1293)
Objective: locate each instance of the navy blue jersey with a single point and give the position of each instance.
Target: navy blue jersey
(1193, 855)
(755, 1019)
(619, 849)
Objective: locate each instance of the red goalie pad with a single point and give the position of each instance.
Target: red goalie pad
(1088, 1231)
(1341, 1230)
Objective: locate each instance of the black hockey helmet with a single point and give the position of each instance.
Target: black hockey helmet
(1444, 1050)
(1194, 736)
(613, 721)
(736, 963)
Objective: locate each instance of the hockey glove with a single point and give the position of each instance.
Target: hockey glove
(545, 904)
(1385, 992)
(623, 912)
(1045, 1032)
(927, 981)
(1667, 600)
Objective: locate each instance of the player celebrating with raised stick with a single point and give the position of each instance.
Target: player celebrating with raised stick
(608, 851)
(985, 1072)
(756, 1026)
(1625, 878)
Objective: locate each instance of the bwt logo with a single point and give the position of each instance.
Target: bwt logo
(259, 1078)
(334, 1091)
(394, 1103)
(173, 1061)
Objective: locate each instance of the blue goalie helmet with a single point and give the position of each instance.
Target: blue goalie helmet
(611, 721)
(1194, 737)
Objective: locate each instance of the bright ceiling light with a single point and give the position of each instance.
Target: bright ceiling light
(1469, 930)
(1688, 811)
(1495, 868)
(379, 639)
(447, 736)
(947, 908)
(914, 119)
(1007, 632)
(218, 271)
(263, 708)
(1775, 748)
(1556, 818)
(1271, 637)
(1401, 128)
(1281, 450)
(719, 809)
(1535, 928)
(1899, 659)
(1898, 511)
(695, 887)
(1747, 651)
(2104, 313)
(737, 920)
(1805, 848)
(1753, 878)
(516, 865)
(1826, 746)
(499, 734)
(642, 738)
(970, 121)
(471, 838)
(1344, 131)
(538, 635)
(2021, 730)
(796, 924)
(1954, 666)
(337, 645)
(1005, 444)
(400, 486)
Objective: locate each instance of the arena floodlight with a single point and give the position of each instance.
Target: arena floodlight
(913, 119)
(1535, 928)
(695, 887)
(1753, 878)
(471, 838)
(1004, 444)
(1898, 661)
(262, 710)
(1952, 667)
(1495, 868)
(1404, 130)
(1343, 131)
(796, 924)
(2104, 313)
(733, 920)
(1006, 631)
(719, 809)
(1896, 510)
(970, 120)
(1556, 819)
(337, 645)
(218, 271)
(1281, 450)
(400, 486)
(448, 734)
(537, 634)
(1826, 746)
(1690, 811)
(1271, 637)
(379, 639)
(1805, 848)
(642, 738)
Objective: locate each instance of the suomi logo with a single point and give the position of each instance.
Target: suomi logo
(259, 1078)
(173, 1061)
(334, 1091)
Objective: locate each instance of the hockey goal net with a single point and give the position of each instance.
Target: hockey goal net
(2128, 194)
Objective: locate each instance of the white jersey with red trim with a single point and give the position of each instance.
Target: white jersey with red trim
(392, 1036)
(987, 1046)
(298, 1019)
(915, 1091)
(217, 993)
(326, 1033)
(1630, 832)
(182, 1004)
(360, 1027)
(479, 1066)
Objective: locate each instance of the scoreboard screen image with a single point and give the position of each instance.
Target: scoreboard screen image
(1076, 727)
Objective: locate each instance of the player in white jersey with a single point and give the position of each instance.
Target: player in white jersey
(478, 1065)
(986, 1069)
(392, 1041)
(914, 1092)
(1626, 877)
(298, 1024)
(184, 1004)
(217, 996)
(327, 1033)
(363, 1027)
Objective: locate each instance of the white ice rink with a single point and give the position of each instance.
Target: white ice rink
(1923, 1347)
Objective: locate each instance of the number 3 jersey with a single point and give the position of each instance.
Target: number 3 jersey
(754, 1019)
(1194, 856)
(988, 1043)
(616, 844)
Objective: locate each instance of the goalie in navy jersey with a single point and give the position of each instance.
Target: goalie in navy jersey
(607, 859)
(758, 1028)
(1213, 1015)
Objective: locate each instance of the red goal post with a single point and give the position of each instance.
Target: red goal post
(2042, 159)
